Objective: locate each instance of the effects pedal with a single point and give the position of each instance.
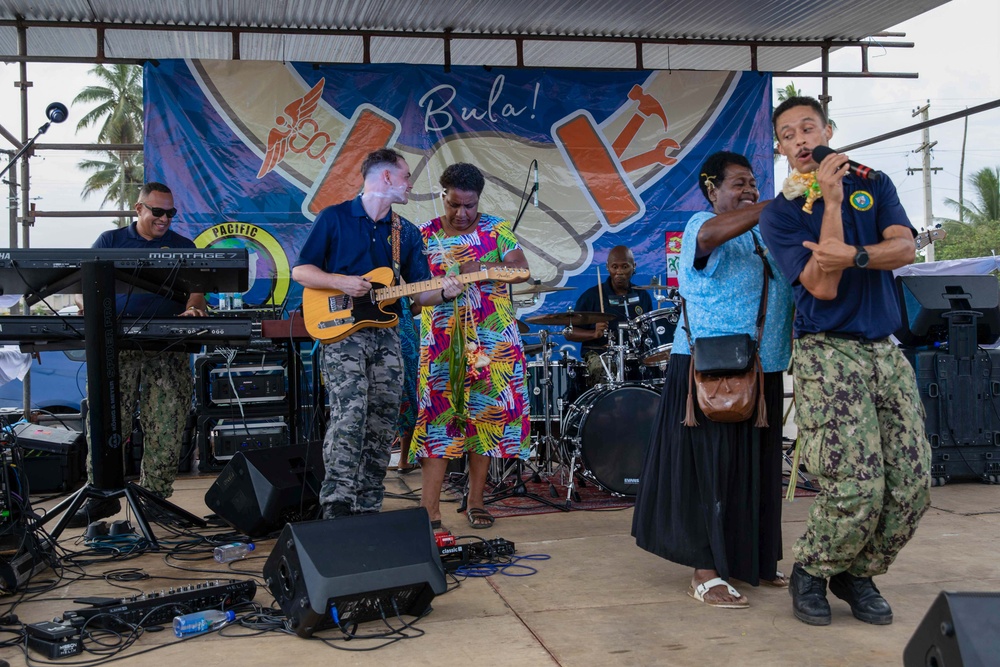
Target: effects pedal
(54, 640)
(495, 548)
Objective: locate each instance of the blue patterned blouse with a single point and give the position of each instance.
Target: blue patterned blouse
(723, 297)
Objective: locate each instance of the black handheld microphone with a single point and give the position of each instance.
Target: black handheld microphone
(820, 152)
(56, 112)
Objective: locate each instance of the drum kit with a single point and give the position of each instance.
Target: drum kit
(603, 426)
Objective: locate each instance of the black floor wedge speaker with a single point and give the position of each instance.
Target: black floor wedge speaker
(259, 491)
(338, 572)
(959, 630)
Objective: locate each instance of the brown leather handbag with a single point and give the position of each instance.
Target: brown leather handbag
(725, 372)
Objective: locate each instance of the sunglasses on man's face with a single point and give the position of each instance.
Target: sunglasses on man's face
(159, 212)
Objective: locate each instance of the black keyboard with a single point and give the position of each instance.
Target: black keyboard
(173, 332)
(124, 258)
(160, 607)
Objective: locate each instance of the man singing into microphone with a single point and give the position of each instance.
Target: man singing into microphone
(616, 296)
(860, 419)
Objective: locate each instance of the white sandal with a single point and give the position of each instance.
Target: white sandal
(698, 593)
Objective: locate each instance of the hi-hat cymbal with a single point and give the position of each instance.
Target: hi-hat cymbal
(538, 288)
(570, 318)
(522, 327)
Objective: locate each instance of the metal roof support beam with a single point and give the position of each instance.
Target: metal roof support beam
(824, 97)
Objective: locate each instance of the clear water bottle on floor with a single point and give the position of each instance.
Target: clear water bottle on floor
(202, 621)
(237, 300)
(232, 551)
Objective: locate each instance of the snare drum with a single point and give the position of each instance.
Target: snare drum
(610, 427)
(569, 380)
(654, 334)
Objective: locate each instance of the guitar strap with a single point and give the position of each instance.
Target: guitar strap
(396, 229)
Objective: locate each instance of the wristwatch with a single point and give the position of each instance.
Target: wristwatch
(861, 257)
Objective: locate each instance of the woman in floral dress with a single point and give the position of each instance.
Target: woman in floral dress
(471, 390)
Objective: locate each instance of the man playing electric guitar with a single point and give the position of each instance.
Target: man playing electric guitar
(364, 372)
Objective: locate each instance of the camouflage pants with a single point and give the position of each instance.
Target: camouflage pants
(364, 384)
(165, 402)
(861, 430)
(595, 369)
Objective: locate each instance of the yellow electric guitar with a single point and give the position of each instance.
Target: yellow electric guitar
(330, 315)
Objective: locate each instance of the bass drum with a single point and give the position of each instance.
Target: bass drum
(610, 426)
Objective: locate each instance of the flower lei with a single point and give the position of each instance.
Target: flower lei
(798, 184)
(465, 358)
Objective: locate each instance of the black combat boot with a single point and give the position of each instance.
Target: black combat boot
(809, 597)
(867, 604)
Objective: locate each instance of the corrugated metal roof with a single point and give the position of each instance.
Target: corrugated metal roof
(49, 33)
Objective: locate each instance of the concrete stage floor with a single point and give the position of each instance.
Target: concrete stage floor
(599, 601)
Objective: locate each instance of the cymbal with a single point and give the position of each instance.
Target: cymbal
(653, 287)
(522, 327)
(570, 318)
(538, 288)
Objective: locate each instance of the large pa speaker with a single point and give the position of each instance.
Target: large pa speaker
(261, 490)
(352, 569)
(960, 629)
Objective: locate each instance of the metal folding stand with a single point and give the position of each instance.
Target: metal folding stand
(511, 481)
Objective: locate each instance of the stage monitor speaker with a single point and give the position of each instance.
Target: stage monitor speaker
(261, 490)
(959, 630)
(338, 572)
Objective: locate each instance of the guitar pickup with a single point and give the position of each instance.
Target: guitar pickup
(341, 302)
(340, 321)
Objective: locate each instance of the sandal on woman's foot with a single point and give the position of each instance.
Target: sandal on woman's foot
(479, 518)
(435, 524)
(698, 593)
(779, 581)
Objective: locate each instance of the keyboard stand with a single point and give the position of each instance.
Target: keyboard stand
(106, 441)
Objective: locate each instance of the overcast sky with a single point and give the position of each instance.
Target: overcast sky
(957, 55)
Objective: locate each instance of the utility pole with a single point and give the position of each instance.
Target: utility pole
(925, 148)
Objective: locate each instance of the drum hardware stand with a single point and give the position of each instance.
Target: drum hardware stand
(518, 487)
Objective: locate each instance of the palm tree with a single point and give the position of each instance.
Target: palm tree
(119, 172)
(979, 234)
(119, 110)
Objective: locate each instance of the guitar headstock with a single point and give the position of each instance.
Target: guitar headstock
(506, 274)
(929, 237)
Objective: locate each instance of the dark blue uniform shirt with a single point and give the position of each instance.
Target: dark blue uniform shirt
(139, 303)
(627, 307)
(345, 240)
(866, 305)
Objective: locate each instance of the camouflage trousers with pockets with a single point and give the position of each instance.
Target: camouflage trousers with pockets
(861, 432)
(364, 383)
(165, 401)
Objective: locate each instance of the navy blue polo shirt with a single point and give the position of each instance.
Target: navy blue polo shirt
(345, 240)
(631, 305)
(866, 304)
(139, 303)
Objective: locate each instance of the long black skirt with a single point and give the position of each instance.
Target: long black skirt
(709, 496)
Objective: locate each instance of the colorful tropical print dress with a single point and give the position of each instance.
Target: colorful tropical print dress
(495, 420)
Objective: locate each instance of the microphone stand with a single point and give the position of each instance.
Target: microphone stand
(25, 147)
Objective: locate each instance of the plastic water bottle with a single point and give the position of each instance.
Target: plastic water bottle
(232, 551)
(237, 300)
(202, 621)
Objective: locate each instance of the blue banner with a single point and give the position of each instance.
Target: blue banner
(253, 150)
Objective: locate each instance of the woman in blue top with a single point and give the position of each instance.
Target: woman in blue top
(709, 496)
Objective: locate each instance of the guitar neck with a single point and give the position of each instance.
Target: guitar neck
(397, 291)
